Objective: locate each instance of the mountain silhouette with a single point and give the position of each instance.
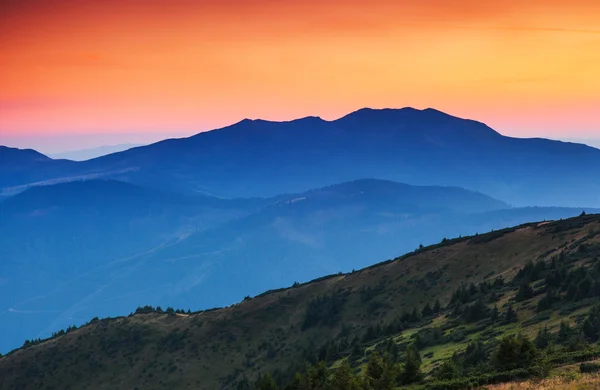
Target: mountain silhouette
(419, 147)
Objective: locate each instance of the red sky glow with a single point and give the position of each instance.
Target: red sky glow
(147, 69)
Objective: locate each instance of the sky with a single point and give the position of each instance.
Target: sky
(78, 74)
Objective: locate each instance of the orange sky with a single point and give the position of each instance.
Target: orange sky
(526, 67)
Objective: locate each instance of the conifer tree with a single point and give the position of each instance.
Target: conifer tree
(511, 314)
(344, 378)
(591, 325)
(411, 371)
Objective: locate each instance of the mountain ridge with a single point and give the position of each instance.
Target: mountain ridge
(418, 147)
(7, 151)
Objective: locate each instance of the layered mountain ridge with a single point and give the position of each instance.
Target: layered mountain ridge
(421, 147)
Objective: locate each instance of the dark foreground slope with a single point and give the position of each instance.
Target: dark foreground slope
(419, 147)
(340, 316)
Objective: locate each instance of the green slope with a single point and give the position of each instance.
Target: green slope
(345, 316)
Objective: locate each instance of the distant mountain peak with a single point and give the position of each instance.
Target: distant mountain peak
(429, 123)
(94, 152)
(8, 149)
(8, 155)
(302, 119)
(370, 112)
(388, 109)
(400, 113)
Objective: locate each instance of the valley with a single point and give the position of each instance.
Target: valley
(90, 248)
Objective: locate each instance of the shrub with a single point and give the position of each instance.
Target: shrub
(575, 357)
(448, 370)
(591, 325)
(515, 352)
(475, 381)
(525, 292)
(589, 367)
(324, 310)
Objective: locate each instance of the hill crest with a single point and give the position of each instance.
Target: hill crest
(275, 329)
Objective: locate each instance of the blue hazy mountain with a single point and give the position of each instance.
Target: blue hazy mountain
(76, 250)
(419, 147)
(87, 154)
(63, 229)
(24, 166)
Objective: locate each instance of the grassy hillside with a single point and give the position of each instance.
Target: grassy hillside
(77, 250)
(436, 300)
(560, 382)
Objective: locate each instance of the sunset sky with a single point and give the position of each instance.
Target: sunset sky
(83, 73)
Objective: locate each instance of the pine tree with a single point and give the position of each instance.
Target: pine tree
(591, 325)
(437, 307)
(390, 375)
(499, 281)
(374, 367)
(564, 332)
(511, 314)
(427, 310)
(515, 352)
(494, 314)
(525, 292)
(415, 316)
(319, 376)
(344, 378)
(543, 338)
(357, 351)
(571, 291)
(392, 349)
(475, 354)
(584, 288)
(299, 382)
(266, 382)
(493, 297)
(472, 290)
(380, 373)
(548, 300)
(412, 366)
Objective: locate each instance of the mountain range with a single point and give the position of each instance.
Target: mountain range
(203, 221)
(257, 158)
